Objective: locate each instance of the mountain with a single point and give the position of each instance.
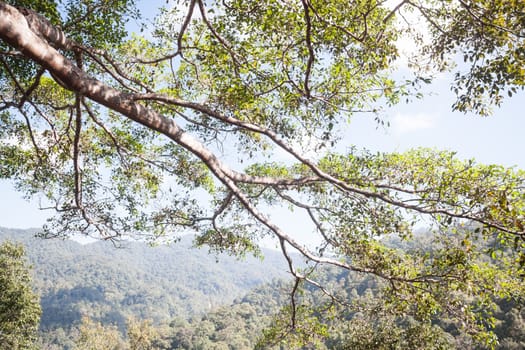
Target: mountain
(202, 301)
(111, 284)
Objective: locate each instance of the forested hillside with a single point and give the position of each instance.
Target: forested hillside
(98, 296)
(160, 283)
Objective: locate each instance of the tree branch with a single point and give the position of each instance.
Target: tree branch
(311, 54)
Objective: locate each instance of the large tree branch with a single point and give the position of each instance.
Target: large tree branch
(38, 42)
(15, 30)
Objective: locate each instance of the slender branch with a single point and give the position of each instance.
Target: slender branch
(427, 16)
(108, 132)
(37, 149)
(478, 18)
(223, 41)
(311, 54)
(184, 26)
(394, 10)
(25, 96)
(327, 21)
(117, 76)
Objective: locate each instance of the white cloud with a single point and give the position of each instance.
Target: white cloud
(407, 123)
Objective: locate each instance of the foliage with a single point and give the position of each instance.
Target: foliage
(488, 35)
(19, 305)
(125, 135)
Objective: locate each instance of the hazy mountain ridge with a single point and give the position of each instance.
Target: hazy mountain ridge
(160, 283)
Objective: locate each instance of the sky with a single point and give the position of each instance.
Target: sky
(428, 122)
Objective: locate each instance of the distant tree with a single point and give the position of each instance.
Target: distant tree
(19, 304)
(142, 335)
(126, 135)
(95, 336)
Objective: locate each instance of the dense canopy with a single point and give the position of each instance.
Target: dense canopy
(183, 127)
(19, 305)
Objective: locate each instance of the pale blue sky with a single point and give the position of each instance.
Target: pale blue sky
(430, 122)
(424, 123)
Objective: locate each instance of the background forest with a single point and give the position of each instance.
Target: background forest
(136, 296)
